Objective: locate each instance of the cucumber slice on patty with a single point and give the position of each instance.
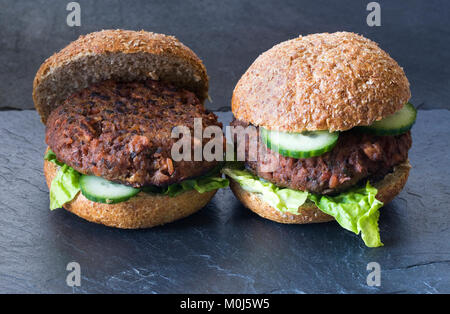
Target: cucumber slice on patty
(101, 190)
(398, 123)
(299, 145)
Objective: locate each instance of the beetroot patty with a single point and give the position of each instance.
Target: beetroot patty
(356, 156)
(122, 132)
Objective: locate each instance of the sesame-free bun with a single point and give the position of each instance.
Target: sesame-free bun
(388, 188)
(120, 55)
(320, 82)
(140, 211)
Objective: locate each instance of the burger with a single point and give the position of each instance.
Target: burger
(110, 101)
(333, 132)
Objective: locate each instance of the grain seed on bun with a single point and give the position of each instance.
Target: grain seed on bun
(118, 55)
(320, 82)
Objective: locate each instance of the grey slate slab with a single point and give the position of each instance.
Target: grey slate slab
(224, 248)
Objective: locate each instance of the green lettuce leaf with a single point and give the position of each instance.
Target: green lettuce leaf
(65, 186)
(283, 199)
(50, 156)
(355, 210)
(201, 185)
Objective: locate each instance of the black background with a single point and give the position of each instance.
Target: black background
(228, 35)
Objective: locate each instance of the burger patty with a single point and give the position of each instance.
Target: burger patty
(356, 156)
(122, 132)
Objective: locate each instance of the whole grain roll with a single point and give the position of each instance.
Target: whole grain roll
(141, 211)
(389, 187)
(320, 82)
(120, 55)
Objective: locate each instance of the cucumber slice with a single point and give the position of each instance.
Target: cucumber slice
(299, 145)
(101, 190)
(398, 123)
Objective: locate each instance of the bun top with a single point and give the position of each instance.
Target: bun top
(320, 82)
(119, 55)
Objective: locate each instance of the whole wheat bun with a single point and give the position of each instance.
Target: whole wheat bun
(320, 82)
(120, 55)
(140, 211)
(388, 188)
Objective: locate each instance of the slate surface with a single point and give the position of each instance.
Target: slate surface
(229, 35)
(224, 248)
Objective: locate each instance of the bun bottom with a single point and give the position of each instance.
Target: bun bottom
(141, 211)
(388, 188)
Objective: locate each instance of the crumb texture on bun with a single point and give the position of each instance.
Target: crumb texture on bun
(118, 55)
(388, 188)
(141, 211)
(320, 82)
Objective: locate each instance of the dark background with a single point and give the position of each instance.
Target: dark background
(228, 36)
